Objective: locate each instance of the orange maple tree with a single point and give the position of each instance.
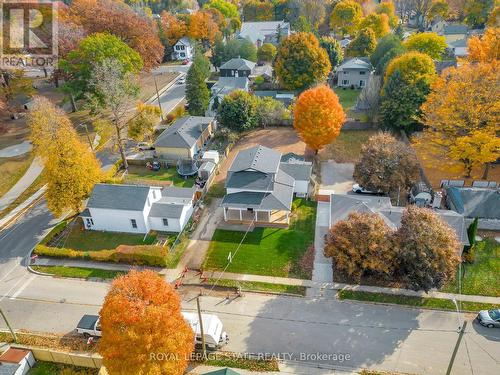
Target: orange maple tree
(202, 27)
(172, 27)
(487, 48)
(117, 18)
(318, 117)
(143, 330)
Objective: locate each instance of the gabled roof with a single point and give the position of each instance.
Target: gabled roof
(118, 197)
(355, 63)
(250, 181)
(184, 133)
(178, 192)
(475, 202)
(184, 40)
(259, 30)
(455, 29)
(166, 210)
(299, 171)
(258, 158)
(226, 85)
(238, 64)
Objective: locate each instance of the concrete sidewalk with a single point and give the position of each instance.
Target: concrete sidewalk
(24, 182)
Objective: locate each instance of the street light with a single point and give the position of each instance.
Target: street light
(459, 318)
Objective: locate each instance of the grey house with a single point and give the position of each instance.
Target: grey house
(237, 68)
(264, 32)
(225, 86)
(354, 72)
(341, 205)
(259, 191)
(473, 202)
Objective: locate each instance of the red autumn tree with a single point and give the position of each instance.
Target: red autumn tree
(143, 330)
(172, 28)
(117, 18)
(318, 117)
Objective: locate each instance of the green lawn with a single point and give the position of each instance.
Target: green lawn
(50, 368)
(480, 278)
(260, 286)
(346, 148)
(82, 273)
(266, 251)
(137, 173)
(419, 302)
(347, 97)
(89, 240)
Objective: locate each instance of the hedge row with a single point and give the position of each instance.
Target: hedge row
(142, 255)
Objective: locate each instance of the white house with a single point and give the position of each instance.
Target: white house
(183, 49)
(138, 209)
(264, 32)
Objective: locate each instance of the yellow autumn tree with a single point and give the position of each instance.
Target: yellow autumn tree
(413, 66)
(318, 117)
(485, 48)
(71, 169)
(143, 330)
(461, 114)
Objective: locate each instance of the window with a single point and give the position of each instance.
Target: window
(165, 222)
(178, 48)
(345, 81)
(362, 73)
(183, 54)
(134, 223)
(361, 83)
(183, 48)
(346, 72)
(90, 222)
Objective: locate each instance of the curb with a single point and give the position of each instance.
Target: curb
(163, 89)
(250, 290)
(23, 210)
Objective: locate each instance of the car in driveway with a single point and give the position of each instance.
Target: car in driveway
(489, 318)
(358, 189)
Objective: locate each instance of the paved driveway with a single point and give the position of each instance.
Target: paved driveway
(337, 177)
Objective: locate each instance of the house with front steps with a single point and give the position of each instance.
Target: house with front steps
(260, 187)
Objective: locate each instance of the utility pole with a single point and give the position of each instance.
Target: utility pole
(203, 348)
(8, 325)
(158, 98)
(88, 136)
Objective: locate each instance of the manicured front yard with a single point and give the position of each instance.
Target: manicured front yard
(266, 251)
(347, 147)
(482, 277)
(51, 368)
(78, 272)
(137, 173)
(347, 97)
(419, 302)
(88, 240)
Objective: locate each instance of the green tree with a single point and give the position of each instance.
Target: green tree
(364, 44)
(271, 112)
(202, 62)
(302, 25)
(301, 62)
(93, 50)
(346, 16)
(227, 8)
(15, 84)
(218, 52)
(412, 66)
(143, 124)
(400, 103)
(238, 111)
(381, 67)
(427, 249)
(267, 52)
(384, 45)
(247, 50)
(476, 12)
(197, 93)
(429, 43)
(379, 23)
(333, 49)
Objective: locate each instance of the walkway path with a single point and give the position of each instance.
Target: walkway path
(322, 271)
(16, 150)
(24, 182)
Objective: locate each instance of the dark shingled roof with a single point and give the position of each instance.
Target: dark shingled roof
(250, 180)
(239, 64)
(184, 133)
(299, 171)
(474, 202)
(258, 158)
(118, 197)
(178, 192)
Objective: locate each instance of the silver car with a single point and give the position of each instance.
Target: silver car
(489, 318)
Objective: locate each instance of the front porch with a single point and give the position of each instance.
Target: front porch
(277, 218)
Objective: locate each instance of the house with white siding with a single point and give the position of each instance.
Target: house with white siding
(138, 209)
(183, 49)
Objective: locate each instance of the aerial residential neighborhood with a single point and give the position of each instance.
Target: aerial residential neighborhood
(250, 187)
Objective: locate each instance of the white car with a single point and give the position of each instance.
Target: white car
(358, 189)
(489, 318)
(181, 80)
(144, 146)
